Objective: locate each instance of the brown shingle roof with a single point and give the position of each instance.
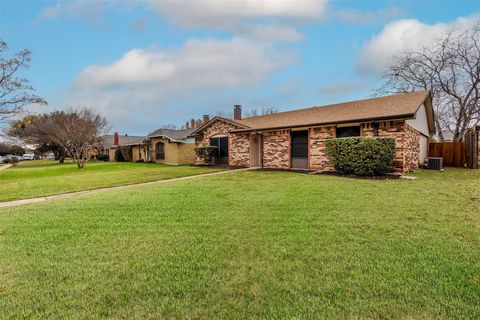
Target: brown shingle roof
(108, 140)
(172, 134)
(389, 107)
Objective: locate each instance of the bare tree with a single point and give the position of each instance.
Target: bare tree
(15, 93)
(23, 131)
(262, 112)
(450, 68)
(77, 131)
(170, 126)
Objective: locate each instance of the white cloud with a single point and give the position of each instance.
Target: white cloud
(151, 80)
(336, 89)
(401, 35)
(91, 10)
(224, 13)
(270, 20)
(135, 67)
(274, 33)
(260, 19)
(355, 16)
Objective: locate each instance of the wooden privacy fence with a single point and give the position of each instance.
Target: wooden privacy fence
(453, 153)
(472, 148)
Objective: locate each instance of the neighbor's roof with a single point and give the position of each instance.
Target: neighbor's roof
(388, 107)
(122, 140)
(174, 135)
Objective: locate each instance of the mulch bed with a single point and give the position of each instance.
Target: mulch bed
(385, 177)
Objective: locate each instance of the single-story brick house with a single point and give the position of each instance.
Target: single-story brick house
(296, 139)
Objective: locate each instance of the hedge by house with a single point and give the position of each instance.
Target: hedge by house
(205, 153)
(119, 156)
(362, 156)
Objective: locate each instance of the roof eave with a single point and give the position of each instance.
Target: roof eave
(430, 112)
(164, 136)
(402, 116)
(196, 133)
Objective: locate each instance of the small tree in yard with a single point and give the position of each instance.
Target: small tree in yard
(205, 153)
(77, 131)
(25, 131)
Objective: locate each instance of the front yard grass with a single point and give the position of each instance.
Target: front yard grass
(250, 245)
(37, 178)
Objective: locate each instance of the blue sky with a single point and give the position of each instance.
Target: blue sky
(146, 64)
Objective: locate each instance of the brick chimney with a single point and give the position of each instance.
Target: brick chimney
(237, 112)
(115, 138)
(206, 118)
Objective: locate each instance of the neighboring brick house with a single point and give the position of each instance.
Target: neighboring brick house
(296, 139)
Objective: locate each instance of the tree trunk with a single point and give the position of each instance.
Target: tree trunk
(61, 155)
(438, 129)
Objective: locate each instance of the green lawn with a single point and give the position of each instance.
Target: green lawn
(31, 179)
(250, 245)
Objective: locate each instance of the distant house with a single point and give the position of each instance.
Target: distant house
(296, 139)
(111, 142)
(167, 146)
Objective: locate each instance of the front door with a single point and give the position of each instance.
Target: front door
(255, 150)
(299, 149)
(148, 154)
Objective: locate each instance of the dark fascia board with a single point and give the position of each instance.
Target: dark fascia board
(196, 133)
(164, 136)
(316, 124)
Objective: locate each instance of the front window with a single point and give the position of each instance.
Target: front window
(221, 153)
(222, 146)
(160, 151)
(353, 131)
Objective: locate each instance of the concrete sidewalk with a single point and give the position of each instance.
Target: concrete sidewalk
(6, 166)
(101, 190)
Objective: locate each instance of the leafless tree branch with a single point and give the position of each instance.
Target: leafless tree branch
(450, 69)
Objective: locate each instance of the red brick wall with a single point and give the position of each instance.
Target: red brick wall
(318, 158)
(276, 149)
(239, 150)
(389, 129)
(238, 145)
(407, 144)
(411, 147)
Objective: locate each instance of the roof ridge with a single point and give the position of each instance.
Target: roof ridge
(336, 104)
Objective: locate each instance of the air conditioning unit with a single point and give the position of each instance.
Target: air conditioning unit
(433, 163)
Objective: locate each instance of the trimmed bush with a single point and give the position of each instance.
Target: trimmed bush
(361, 156)
(119, 156)
(205, 153)
(102, 157)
